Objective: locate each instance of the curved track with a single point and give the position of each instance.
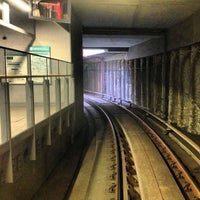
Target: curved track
(181, 153)
(130, 167)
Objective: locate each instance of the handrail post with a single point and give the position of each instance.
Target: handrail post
(46, 105)
(31, 115)
(6, 126)
(67, 100)
(58, 102)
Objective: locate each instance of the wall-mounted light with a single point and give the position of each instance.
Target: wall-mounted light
(91, 52)
(4, 7)
(22, 5)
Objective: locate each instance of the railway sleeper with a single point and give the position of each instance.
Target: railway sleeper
(126, 145)
(129, 160)
(113, 176)
(133, 194)
(127, 152)
(179, 175)
(130, 170)
(113, 166)
(132, 181)
(188, 190)
(112, 188)
(113, 158)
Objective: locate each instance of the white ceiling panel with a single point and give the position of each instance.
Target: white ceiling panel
(113, 40)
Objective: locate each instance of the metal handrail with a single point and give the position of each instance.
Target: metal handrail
(34, 76)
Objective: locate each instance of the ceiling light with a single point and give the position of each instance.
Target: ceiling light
(5, 12)
(90, 52)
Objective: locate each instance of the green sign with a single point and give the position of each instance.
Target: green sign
(41, 50)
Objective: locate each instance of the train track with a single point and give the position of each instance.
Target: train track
(125, 185)
(124, 182)
(158, 130)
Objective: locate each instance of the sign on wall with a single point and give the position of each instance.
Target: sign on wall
(40, 65)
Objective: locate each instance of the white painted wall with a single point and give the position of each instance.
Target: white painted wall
(53, 35)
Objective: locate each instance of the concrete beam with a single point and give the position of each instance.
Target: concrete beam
(123, 31)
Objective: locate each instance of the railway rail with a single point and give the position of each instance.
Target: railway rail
(132, 154)
(127, 160)
(120, 175)
(169, 140)
(126, 186)
(164, 135)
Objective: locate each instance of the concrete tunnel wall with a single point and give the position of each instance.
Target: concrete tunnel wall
(165, 83)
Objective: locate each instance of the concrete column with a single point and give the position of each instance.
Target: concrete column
(151, 85)
(147, 82)
(155, 86)
(143, 81)
(129, 80)
(135, 82)
(105, 82)
(195, 124)
(172, 106)
(118, 80)
(177, 90)
(99, 78)
(164, 96)
(90, 78)
(108, 79)
(102, 69)
(138, 82)
(131, 65)
(95, 76)
(86, 86)
(112, 80)
(126, 80)
(122, 79)
(158, 84)
(186, 88)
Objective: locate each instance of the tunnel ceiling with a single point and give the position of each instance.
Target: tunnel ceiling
(132, 15)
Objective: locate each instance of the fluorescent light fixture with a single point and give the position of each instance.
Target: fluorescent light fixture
(91, 52)
(20, 4)
(5, 12)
